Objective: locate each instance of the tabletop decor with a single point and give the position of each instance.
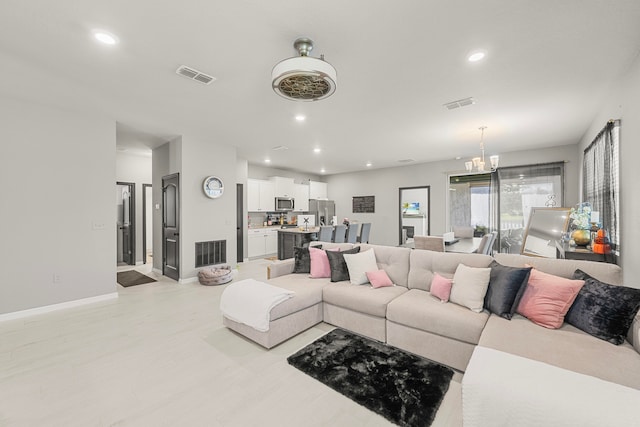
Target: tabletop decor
(581, 223)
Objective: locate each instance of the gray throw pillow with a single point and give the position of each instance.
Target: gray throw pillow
(302, 262)
(602, 310)
(339, 269)
(506, 286)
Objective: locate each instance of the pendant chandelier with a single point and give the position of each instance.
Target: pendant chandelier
(478, 163)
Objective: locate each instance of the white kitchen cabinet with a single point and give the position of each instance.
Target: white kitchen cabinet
(301, 195)
(283, 187)
(271, 242)
(262, 241)
(317, 190)
(260, 195)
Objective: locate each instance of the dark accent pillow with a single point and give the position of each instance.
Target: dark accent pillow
(506, 286)
(302, 262)
(603, 310)
(338, 265)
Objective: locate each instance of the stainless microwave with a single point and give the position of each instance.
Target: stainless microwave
(284, 204)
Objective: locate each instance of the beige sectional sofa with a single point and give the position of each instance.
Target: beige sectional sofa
(407, 316)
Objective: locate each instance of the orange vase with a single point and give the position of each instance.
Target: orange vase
(581, 237)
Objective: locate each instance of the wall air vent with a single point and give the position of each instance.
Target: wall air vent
(194, 74)
(459, 103)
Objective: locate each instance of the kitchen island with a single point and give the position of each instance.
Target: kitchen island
(288, 238)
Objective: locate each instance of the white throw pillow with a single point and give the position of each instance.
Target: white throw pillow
(358, 265)
(470, 286)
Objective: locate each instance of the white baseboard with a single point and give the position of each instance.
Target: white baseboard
(188, 280)
(157, 271)
(55, 307)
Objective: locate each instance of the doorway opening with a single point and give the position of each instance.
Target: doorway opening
(147, 224)
(414, 213)
(125, 223)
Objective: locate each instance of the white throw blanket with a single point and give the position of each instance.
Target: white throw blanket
(250, 302)
(501, 389)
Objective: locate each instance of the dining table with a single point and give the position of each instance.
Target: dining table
(461, 245)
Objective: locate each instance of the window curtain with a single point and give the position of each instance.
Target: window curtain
(601, 179)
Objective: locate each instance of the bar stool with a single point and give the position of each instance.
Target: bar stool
(364, 232)
(352, 233)
(339, 233)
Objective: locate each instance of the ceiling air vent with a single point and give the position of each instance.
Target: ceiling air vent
(459, 103)
(406, 161)
(280, 148)
(194, 74)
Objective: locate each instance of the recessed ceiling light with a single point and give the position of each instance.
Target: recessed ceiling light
(316, 150)
(105, 37)
(458, 157)
(322, 170)
(476, 56)
(368, 164)
(267, 160)
(300, 118)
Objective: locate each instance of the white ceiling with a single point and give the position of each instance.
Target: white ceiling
(549, 64)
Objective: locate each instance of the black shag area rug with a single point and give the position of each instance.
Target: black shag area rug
(132, 278)
(404, 388)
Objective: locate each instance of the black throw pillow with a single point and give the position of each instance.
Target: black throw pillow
(338, 265)
(506, 286)
(302, 262)
(603, 310)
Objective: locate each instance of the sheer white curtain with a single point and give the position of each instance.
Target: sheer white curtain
(601, 179)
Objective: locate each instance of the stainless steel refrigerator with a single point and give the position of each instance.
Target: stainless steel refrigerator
(324, 210)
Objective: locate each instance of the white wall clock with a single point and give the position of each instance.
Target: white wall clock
(213, 187)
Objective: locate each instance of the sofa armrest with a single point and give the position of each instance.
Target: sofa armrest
(280, 268)
(633, 336)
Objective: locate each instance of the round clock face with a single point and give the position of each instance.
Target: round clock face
(213, 187)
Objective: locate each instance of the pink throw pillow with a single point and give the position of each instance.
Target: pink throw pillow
(379, 278)
(548, 298)
(319, 263)
(441, 287)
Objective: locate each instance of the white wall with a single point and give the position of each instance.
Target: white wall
(135, 168)
(623, 103)
(205, 219)
(262, 172)
(201, 218)
(58, 175)
(165, 161)
(384, 184)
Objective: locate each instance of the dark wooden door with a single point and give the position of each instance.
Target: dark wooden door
(126, 223)
(239, 223)
(171, 226)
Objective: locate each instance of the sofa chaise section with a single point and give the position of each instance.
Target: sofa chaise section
(292, 316)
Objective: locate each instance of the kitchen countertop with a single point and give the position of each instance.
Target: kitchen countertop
(298, 231)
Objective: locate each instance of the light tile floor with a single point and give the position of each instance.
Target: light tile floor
(160, 356)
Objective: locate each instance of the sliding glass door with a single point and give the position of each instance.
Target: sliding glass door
(520, 189)
(470, 202)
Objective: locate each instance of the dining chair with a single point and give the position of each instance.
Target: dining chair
(430, 243)
(352, 233)
(486, 244)
(339, 233)
(364, 232)
(326, 231)
(462, 231)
